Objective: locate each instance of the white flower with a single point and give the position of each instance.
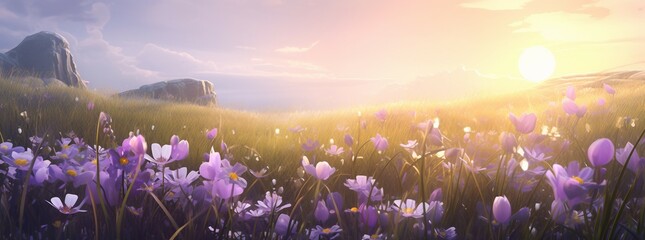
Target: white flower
(68, 207)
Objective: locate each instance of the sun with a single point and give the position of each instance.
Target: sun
(537, 63)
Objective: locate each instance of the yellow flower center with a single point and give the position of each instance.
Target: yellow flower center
(374, 236)
(95, 161)
(354, 209)
(326, 230)
(4, 147)
(65, 146)
(71, 172)
(578, 179)
(57, 224)
(124, 161)
(233, 176)
(63, 155)
(21, 162)
(408, 210)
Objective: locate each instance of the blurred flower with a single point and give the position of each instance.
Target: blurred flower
(571, 93)
(181, 177)
(410, 145)
(211, 134)
(90, 105)
(446, 234)
(321, 171)
(380, 143)
(509, 142)
(259, 174)
(349, 141)
(296, 129)
(334, 150)
(282, 225)
(501, 209)
(364, 186)
(381, 115)
(209, 170)
(600, 152)
(524, 124)
(138, 145)
(6, 148)
(608, 89)
(68, 207)
(310, 145)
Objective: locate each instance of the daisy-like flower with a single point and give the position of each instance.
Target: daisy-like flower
(259, 174)
(363, 185)
(327, 233)
(272, 203)
(22, 160)
(409, 208)
(6, 148)
(334, 150)
(181, 177)
(68, 207)
(321, 171)
(233, 174)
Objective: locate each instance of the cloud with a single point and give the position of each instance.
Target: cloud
(162, 59)
(496, 5)
(249, 48)
(291, 49)
(602, 21)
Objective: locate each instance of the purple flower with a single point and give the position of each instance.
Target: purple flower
(67, 208)
(225, 190)
(600, 152)
(321, 171)
(325, 233)
(569, 106)
(160, 155)
(282, 225)
(209, 170)
(138, 145)
(334, 150)
(6, 148)
(571, 93)
(74, 174)
(310, 145)
(22, 160)
(380, 143)
(363, 185)
(122, 159)
(570, 185)
(90, 105)
(524, 124)
(180, 148)
(349, 141)
(608, 89)
(509, 142)
(501, 209)
(381, 115)
(211, 134)
(635, 162)
(232, 174)
(296, 129)
(322, 212)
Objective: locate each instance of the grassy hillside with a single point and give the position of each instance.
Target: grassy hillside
(260, 140)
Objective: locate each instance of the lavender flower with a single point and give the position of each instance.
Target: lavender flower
(635, 164)
(380, 143)
(272, 203)
(608, 89)
(334, 150)
(321, 171)
(524, 124)
(409, 208)
(327, 233)
(211, 134)
(501, 209)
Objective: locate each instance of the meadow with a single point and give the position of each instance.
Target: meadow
(551, 162)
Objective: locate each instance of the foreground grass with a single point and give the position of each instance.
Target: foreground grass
(255, 140)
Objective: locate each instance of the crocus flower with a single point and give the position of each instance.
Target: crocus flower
(211, 134)
(209, 170)
(225, 190)
(282, 225)
(160, 155)
(180, 148)
(608, 89)
(571, 184)
(326, 233)
(334, 150)
(232, 174)
(409, 208)
(138, 145)
(21, 160)
(363, 185)
(380, 143)
(569, 106)
(68, 207)
(600, 152)
(123, 159)
(524, 124)
(501, 209)
(90, 105)
(6, 148)
(410, 145)
(322, 212)
(635, 162)
(321, 171)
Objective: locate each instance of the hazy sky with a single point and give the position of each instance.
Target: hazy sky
(321, 54)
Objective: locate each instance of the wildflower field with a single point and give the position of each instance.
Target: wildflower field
(558, 162)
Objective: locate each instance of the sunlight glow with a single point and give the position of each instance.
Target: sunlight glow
(536, 64)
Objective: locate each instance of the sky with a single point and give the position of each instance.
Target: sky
(266, 55)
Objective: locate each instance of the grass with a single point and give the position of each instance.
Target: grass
(254, 140)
